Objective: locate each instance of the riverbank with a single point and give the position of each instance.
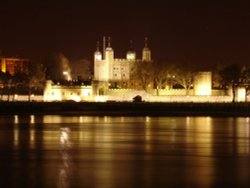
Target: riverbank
(127, 108)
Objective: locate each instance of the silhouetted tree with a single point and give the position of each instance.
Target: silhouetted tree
(184, 77)
(9, 85)
(142, 72)
(245, 78)
(36, 79)
(231, 76)
(163, 74)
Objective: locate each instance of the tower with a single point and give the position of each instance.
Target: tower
(109, 60)
(109, 53)
(98, 54)
(97, 62)
(146, 53)
(131, 55)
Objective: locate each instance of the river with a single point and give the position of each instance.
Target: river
(91, 151)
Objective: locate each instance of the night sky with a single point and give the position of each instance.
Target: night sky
(203, 33)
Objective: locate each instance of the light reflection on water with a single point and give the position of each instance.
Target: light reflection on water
(65, 171)
(89, 151)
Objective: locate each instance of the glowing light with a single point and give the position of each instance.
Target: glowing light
(65, 170)
(147, 119)
(98, 56)
(64, 138)
(81, 119)
(203, 83)
(15, 97)
(32, 138)
(241, 94)
(100, 99)
(131, 56)
(16, 119)
(16, 136)
(32, 135)
(52, 119)
(76, 98)
(86, 92)
(32, 119)
(67, 75)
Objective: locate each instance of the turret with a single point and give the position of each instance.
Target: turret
(98, 54)
(131, 55)
(146, 53)
(109, 53)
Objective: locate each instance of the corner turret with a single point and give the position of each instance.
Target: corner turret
(98, 54)
(131, 55)
(109, 53)
(146, 53)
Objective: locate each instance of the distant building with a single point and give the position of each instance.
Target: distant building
(62, 92)
(14, 65)
(107, 68)
(110, 75)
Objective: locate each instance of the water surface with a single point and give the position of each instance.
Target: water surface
(83, 151)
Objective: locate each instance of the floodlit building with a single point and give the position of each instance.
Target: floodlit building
(14, 65)
(62, 92)
(107, 68)
(111, 74)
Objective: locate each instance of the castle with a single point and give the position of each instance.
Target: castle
(112, 82)
(112, 70)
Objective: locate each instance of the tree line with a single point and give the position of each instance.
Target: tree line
(161, 74)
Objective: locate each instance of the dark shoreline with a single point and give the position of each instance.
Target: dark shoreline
(126, 108)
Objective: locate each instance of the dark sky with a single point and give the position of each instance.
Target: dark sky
(199, 32)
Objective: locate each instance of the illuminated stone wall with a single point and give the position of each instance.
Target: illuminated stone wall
(190, 99)
(150, 98)
(181, 92)
(54, 92)
(173, 95)
(165, 92)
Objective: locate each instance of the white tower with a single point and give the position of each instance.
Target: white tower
(146, 53)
